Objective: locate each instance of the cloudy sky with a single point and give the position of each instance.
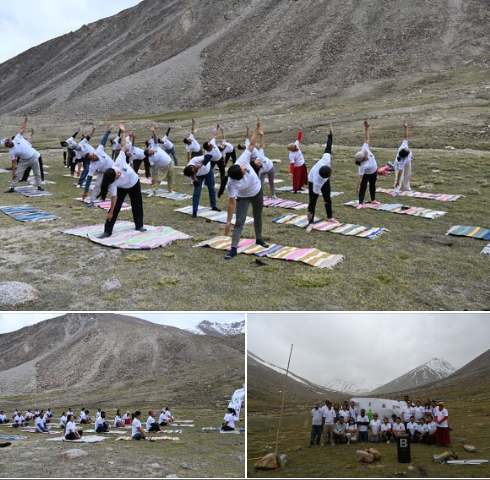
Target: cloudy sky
(366, 348)
(10, 322)
(25, 24)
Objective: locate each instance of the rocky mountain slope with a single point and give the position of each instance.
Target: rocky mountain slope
(183, 54)
(86, 351)
(218, 329)
(434, 369)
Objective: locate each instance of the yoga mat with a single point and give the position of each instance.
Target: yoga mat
(281, 203)
(320, 225)
(162, 193)
(45, 433)
(27, 213)
(401, 209)
(32, 192)
(151, 439)
(441, 197)
(105, 433)
(208, 214)
(184, 421)
(289, 189)
(32, 181)
(309, 256)
(5, 171)
(181, 425)
(105, 205)
(126, 237)
(479, 233)
(218, 429)
(172, 431)
(12, 437)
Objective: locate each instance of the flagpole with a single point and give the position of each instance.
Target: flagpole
(283, 399)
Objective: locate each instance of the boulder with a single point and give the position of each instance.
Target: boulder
(469, 448)
(13, 294)
(375, 453)
(269, 462)
(73, 454)
(362, 456)
(111, 285)
(282, 460)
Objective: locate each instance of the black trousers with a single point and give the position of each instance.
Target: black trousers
(226, 428)
(232, 156)
(154, 428)
(137, 165)
(71, 435)
(28, 171)
(371, 179)
(221, 167)
(136, 205)
(326, 198)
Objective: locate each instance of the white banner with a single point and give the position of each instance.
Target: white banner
(237, 400)
(382, 406)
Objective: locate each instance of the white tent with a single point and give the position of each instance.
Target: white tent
(382, 406)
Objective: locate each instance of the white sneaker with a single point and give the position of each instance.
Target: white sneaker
(388, 441)
(332, 443)
(151, 194)
(274, 197)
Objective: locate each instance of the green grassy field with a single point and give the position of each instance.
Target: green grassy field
(469, 418)
(414, 266)
(197, 454)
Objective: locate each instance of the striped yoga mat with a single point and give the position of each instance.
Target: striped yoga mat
(218, 429)
(162, 193)
(320, 225)
(30, 191)
(151, 439)
(309, 256)
(105, 205)
(208, 214)
(281, 203)
(401, 209)
(181, 425)
(84, 439)
(172, 431)
(127, 238)
(289, 189)
(472, 232)
(441, 197)
(26, 213)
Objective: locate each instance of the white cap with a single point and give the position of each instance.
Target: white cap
(359, 156)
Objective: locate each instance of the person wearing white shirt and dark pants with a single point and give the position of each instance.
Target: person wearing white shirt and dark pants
(316, 425)
(363, 424)
(122, 180)
(229, 420)
(328, 423)
(386, 430)
(403, 164)
(375, 429)
(101, 426)
(71, 432)
(431, 431)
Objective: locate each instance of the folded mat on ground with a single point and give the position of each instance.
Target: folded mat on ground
(126, 237)
(84, 439)
(162, 193)
(309, 256)
(105, 205)
(30, 191)
(401, 209)
(332, 227)
(441, 197)
(151, 439)
(473, 232)
(209, 214)
(281, 203)
(27, 213)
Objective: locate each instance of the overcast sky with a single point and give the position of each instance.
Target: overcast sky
(10, 322)
(25, 24)
(366, 348)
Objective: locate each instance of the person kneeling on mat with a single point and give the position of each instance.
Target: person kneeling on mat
(229, 420)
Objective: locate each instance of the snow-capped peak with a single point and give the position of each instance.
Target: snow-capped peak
(344, 386)
(440, 365)
(218, 329)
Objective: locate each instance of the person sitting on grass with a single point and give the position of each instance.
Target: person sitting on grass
(101, 426)
(412, 429)
(137, 432)
(41, 426)
(49, 416)
(63, 420)
(118, 421)
(162, 420)
(375, 429)
(29, 416)
(422, 432)
(431, 431)
(71, 432)
(168, 416)
(339, 431)
(398, 429)
(3, 418)
(127, 418)
(351, 431)
(386, 430)
(151, 425)
(84, 419)
(368, 170)
(229, 420)
(19, 421)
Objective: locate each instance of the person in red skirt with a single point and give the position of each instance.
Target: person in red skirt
(297, 165)
(442, 426)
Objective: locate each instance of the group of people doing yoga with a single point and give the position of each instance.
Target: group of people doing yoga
(117, 176)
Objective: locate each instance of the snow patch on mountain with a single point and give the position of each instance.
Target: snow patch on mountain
(344, 386)
(218, 329)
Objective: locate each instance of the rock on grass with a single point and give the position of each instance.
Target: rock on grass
(17, 293)
(73, 454)
(111, 285)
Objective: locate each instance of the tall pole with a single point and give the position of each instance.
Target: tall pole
(283, 399)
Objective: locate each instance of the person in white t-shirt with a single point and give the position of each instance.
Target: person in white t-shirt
(29, 416)
(121, 180)
(162, 420)
(227, 148)
(316, 424)
(353, 410)
(297, 164)
(101, 426)
(20, 148)
(84, 418)
(368, 169)
(229, 420)
(264, 167)
(19, 421)
(151, 424)
(412, 426)
(71, 432)
(3, 418)
(344, 412)
(162, 167)
(398, 429)
(118, 421)
(116, 146)
(418, 411)
(137, 432)
(319, 183)
(351, 431)
(217, 157)
(427, 408)
(441, 419)
(431, 431)
(244, 188)
(407, 412)
(63, 419)
(329, 416)
(98, 414)
(363, 423)
(386, 430)
(403, 164)
(169, 147)
(168, 415)
(40, 424)
(422, 432)
(192, 146)
(127, 418)
(375, 429)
